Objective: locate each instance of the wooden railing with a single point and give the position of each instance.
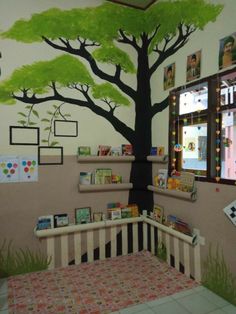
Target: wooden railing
(178, 245)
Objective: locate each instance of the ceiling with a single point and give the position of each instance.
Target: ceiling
(138, 4)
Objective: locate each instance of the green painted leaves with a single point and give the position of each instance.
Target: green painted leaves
(107, 91)
(63, 70)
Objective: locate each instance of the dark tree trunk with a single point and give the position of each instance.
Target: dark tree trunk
(141, 171)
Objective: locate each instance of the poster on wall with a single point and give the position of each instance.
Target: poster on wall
(18, 169)
(28, 168)
(9, 169)
(169, 76)
(193, 66)
(227, 52)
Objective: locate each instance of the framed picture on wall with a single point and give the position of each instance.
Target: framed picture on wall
(169, 76)
(193, 66)
(83, 215)
(227, 51)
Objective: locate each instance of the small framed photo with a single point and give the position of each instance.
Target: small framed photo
(158, 212)
(227, 51)
(61, 220)
(169, 76)
(97, 217)
(83, 215)
(193, 66)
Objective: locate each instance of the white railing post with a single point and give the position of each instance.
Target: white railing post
(77, 247)
(176, 252)
(90, 246)
(51, 252)
(145, 237)
(113, 241)
(124, 234)
(186, 259)
(64, 250)
(135, 237)
(152, 240)
(168, 248)
(102, 243)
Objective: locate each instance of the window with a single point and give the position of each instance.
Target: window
(202, 133)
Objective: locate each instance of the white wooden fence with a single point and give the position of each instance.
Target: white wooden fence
(183, 248)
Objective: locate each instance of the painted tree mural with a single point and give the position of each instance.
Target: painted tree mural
(97, 35)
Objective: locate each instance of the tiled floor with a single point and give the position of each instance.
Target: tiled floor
(193, 301)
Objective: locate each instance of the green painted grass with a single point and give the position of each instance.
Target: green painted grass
(217, 276)
(15, 262)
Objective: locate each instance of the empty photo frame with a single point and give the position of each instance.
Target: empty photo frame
(64, 128)
(50, 155)
(22, 135)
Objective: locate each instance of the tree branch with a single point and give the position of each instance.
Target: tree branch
(158, 107)
(180, 42)
(85, 54)
(126, 40)
(118, 125)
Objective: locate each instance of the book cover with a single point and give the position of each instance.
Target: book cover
(61, 220)
(45, 222)
(84, 151)
(103, 176)
(187, 181)
(116, 151)
(127, 149)
(104, 150)
(160, 150)
(85, 178)
(161, 179)
(153, 151)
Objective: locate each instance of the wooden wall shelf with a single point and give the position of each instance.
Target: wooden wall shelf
(188, 196)
(87, 159)
(158, 159)
(105, 187)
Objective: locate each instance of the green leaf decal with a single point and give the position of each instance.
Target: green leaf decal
(35, 113)
(45, 120)
(54, 143)
(22, 114)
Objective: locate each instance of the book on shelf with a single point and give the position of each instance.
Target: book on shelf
(126, 212)
(160, 180)
(113, 205)
(85, 178)
(178, 225)
(45, 222)
(157, 151)
(103, 176)
(187, 181)
(160, 150)
(84, 151)
(116, 178)
(114, 213)
(61, 220)
(134, 209)
(127, 149)
(104, 150)
(116, 151)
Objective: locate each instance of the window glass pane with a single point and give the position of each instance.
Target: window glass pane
(193, 99)
(228, 89)
(195, 147)
(228, 145)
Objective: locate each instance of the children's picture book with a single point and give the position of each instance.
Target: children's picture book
(85, 178)
(161, 180)
(116, 151)
(104, 150)
(158, 212)
(153, 151)
(116, 179)
(84, 151)
(127, 149)
(160, 150)
(45, 222)
(61, 220)
(134, 209)
(173, 183)
(187, 181)
(126, 212)
(114, 213)
(97, 216)
(103, 176)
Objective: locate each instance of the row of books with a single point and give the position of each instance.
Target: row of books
(84, 215)
(106, 150)
(99, 176)
(181, 181)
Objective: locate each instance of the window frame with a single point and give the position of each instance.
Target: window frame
(211, 116)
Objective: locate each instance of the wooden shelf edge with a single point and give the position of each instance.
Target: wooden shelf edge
(158, 159)
(188, 196)
(105, 187)
(106, 158)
